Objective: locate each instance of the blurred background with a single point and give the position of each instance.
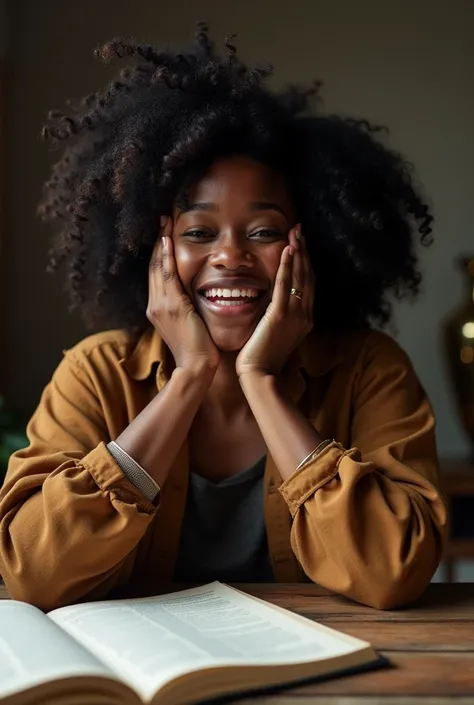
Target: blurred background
(407, 64)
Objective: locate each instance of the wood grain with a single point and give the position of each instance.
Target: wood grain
(283, 699)
(430, 646)
(441, 602)
(413, 636)
(410, 674)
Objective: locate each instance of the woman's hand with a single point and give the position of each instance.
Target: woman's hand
(172, 313)
(288, 319)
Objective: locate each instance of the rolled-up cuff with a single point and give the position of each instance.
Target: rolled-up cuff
(306, 481)
(109, 477)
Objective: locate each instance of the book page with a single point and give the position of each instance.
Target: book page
(33, 650)
(152, 640)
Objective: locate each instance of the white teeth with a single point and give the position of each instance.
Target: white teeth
(223, 302)
(231, 293)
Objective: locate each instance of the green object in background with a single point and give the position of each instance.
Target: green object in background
(12, 435)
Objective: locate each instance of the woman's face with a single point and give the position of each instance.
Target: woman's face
(228, 245)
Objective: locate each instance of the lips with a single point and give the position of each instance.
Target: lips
(232, 297)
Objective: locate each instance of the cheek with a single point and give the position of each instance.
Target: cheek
(187, 264)
(272, 260)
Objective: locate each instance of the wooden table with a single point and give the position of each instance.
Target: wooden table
(430, 647)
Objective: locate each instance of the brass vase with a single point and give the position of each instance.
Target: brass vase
(459, 344)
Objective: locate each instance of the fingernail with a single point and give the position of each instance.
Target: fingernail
(163, 240)
(163, 221)
(297, 232)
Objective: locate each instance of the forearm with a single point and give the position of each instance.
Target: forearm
(359, 533)
(373, 535)
(156, 435)
(288, 434)
(68, 528)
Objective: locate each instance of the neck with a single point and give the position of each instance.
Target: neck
(225, 395)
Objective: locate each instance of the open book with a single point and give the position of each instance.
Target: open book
(179, 648)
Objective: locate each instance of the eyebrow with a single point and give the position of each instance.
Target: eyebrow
(255, 206)
(267, 206)
(202, 206)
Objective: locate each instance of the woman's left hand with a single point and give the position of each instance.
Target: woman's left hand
(289, 316)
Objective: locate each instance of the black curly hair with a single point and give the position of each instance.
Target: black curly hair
(134, 150)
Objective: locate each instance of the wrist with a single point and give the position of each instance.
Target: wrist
(256, 378)
(197, 374)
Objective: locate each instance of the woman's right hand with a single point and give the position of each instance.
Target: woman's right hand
(172, 313)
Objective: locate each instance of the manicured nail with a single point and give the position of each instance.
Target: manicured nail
(163, 221)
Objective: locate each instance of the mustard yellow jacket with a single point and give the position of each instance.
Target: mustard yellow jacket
(364, 519)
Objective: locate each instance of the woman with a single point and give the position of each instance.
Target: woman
(238, 419)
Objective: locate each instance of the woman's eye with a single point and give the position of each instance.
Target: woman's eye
(268, 234)
(197, 234)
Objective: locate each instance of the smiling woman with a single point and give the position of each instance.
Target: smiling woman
(228, 243)
(236, 417)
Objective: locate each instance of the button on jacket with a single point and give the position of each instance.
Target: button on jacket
(364, 519)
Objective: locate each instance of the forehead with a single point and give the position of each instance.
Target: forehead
(240, 179)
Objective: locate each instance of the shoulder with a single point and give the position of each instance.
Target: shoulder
(374, 347)
(378, 363)
(349, 353)
(367, 347)
(372, 358)
(97, 360)
(104, 349)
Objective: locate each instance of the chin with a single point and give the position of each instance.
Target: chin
(228, 346)
(229, 341)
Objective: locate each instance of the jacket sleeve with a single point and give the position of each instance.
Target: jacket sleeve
(369, 522)
(69, 519)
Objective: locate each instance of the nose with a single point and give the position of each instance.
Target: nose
(231, 252)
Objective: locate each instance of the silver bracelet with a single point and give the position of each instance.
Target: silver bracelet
(314, 453)
(134, 472)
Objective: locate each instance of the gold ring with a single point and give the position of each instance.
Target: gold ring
(297, 293)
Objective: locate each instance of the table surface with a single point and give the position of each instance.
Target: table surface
(430, 646)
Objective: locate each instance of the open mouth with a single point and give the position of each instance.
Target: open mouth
(232, 301)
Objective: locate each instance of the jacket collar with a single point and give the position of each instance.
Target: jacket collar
(318, 354)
